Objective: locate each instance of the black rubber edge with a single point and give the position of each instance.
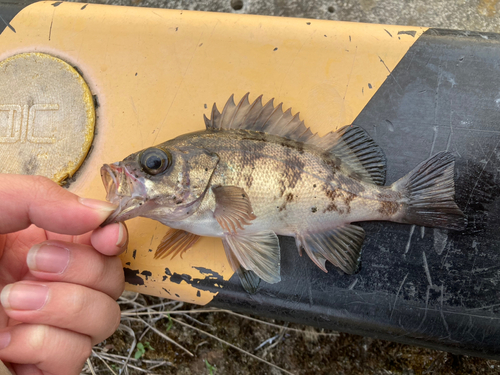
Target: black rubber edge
(435, 289)
(8, 10)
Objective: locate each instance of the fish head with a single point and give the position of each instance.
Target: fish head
(165, 183)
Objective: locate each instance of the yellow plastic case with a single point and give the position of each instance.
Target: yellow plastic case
(156, 72)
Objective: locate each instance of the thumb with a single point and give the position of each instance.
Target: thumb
(26, 200)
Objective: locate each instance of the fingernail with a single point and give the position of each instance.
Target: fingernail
(4, 339)
(122, 235)
(24, 296)
(48, 258)
(98, 205)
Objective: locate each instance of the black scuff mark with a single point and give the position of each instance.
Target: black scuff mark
(208, 271)
(370, 86)
(134, 253)
(198, 294)
(78, 70)
(387, 31)
(275, 49)
(390, 72)
(150, 250)
(349, 38)
(83, 7)
(308, 23)
(50, 30)
(8, 24)
(178, 296)
(177, 278)
(407, 32)
(132, 277)
(147, 274)
(56, 4)
(211, 283)
(96, 101)
(167, 272)
(31, 165)
(166, 291)
(136, 74)
(128, 263)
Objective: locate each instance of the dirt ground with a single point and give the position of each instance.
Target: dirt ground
(297, 349)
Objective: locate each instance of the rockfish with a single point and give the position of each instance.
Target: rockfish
(257, 172)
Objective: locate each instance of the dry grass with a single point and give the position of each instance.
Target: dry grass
(160, 336)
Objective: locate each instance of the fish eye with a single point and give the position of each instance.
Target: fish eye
(155, 161)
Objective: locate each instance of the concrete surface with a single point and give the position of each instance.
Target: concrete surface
(475, 15)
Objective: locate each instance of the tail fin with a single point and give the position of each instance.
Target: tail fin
(430, 190)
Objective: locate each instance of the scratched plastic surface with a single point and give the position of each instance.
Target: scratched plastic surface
(417, 285)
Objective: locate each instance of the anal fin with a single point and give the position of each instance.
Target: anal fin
(341, 246)
(175, 242)
(249, 280)
(256, 252)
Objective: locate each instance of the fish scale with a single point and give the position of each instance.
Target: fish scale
(257, 172)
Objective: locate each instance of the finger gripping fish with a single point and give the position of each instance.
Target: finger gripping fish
(257, 172)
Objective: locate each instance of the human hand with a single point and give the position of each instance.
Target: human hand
(59, 276)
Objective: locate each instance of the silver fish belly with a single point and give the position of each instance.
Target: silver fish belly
(257, 172)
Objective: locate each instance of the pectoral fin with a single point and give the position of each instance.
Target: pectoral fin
(257, 252)
(341, 246)
(175, 242)
(233, 209)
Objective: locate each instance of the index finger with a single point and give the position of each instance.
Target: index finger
(26, 200)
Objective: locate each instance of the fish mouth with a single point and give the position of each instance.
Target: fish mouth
(122, 189)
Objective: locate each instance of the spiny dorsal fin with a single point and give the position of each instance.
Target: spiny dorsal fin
(258, 117)
(363, 158)
(361, 154)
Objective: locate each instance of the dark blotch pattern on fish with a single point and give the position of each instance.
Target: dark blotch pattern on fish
(388, 208)
(249, 180)
(288, 199)
(331, 195)
(333, 162)
(293, 171)
(336, 196)
(282, 187)
(388, 200)
(385, 196)
(348, 197)
(299, 146)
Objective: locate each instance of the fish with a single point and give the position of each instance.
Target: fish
(257, 172)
